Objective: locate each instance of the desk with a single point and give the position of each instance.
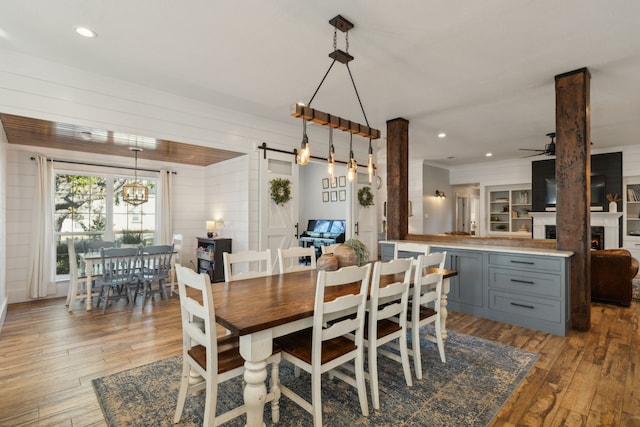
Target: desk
(264, 308)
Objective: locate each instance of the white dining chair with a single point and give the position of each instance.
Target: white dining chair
(387, 320)
(289, 259)
(78, 287)
(324, 347)
(177, 259)
(247, 265)
(425, 305)
(329, 249)
(214, 359)
(420, 248)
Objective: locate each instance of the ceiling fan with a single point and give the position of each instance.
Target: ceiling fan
(549, 149)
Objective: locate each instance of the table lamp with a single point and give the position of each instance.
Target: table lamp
(211, 227)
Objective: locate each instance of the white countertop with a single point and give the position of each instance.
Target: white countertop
(491, 248)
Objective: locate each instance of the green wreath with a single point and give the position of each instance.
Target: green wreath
(365, 197)
(280, 190)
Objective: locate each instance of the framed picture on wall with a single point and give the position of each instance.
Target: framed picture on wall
(342, 194)
(334, 196)
(325, 182)
(334, 182)
(325, 195)
(343, 181)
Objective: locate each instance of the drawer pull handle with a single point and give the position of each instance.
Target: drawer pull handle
(528, 282)
(522, 262)
(522, 305)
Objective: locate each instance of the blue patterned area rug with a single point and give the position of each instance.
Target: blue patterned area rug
(478, 378)
(635, 285)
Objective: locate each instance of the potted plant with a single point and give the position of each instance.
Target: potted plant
(131, 239)
(357, 248)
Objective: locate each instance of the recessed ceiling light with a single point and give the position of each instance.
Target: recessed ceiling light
(489, 154)
(86, 32)
(442, 135)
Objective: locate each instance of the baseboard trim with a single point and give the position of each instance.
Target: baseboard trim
(3, 312)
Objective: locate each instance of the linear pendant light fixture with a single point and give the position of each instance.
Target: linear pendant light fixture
(334, 122)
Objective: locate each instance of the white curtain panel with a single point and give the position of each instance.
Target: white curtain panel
(43, 248)
(165, 219)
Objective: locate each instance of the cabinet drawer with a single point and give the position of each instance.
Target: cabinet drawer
(548, 310)
(525, 262)
(530, 282)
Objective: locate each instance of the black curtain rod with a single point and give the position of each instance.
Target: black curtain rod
(105, 166)
(264, 147)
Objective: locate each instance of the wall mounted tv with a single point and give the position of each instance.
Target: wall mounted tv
(598, 191)
(606, 178)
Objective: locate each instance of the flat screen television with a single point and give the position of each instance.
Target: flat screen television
(598, 197)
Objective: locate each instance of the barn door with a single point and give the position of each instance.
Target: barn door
(364, 218)
(278, 222)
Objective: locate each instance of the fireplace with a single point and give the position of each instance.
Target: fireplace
(605, 228)
(597, 235)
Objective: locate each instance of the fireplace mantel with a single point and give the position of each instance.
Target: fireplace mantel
(608, 220)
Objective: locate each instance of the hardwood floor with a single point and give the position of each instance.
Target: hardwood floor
(49, 356)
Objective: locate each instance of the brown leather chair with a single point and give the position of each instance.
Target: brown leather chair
(612, 271)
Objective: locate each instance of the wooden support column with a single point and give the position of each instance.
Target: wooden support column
(397, 178)
(573, 177)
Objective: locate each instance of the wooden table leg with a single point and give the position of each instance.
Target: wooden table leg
(255, 349)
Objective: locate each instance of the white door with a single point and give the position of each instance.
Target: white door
(365, 218)
(278, 223)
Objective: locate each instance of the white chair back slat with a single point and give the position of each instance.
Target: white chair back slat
(421, 248)
(289, 259)
(248, 264)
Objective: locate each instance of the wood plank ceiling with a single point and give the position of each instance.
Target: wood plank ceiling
(43, 133)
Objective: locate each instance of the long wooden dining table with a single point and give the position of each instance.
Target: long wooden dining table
(264, 308)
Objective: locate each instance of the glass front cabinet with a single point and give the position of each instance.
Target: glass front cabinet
(508, 210)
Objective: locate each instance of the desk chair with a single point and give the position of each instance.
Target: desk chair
(215, 360)
(425, 305)
(322, 349)
(289, 259)
(246, 259)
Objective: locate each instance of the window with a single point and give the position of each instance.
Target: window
(90, 207)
